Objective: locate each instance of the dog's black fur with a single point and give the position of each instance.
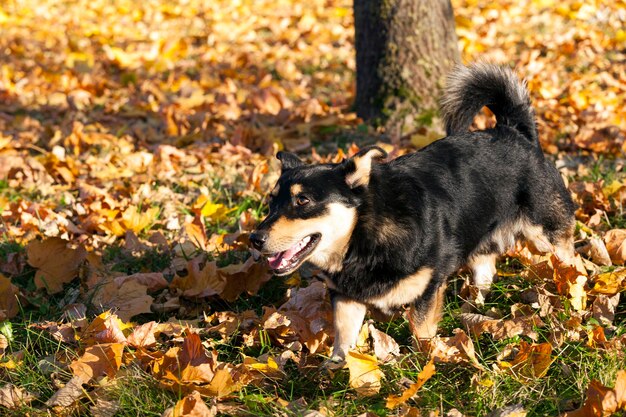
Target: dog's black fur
(461, 199)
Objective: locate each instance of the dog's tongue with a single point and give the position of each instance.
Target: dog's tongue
(276, 260)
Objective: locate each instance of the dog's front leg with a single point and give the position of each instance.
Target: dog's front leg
(348, 315)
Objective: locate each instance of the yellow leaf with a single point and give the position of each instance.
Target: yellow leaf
(610, 283)
(365, 374)
(133, 220)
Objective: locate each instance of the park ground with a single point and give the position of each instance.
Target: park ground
(136, 151)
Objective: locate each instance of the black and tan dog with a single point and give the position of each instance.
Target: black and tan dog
(389, 234)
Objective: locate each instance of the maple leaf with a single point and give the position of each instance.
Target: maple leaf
(56, 263)
(192, 405)
(136, 220)
(365, 374)
(531, 361)
(98, 360)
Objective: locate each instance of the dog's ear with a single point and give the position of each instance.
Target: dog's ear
(288, 160)
(359, 167)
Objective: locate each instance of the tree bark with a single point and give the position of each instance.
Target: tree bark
(404, 49)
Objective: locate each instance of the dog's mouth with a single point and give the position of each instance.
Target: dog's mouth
(287, 261)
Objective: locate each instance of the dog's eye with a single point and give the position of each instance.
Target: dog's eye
(302, 200)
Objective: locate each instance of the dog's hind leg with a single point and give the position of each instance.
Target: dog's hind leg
(483, 268)
(348, 315)
(425, 314)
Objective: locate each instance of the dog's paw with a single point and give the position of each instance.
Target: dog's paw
(334, 363)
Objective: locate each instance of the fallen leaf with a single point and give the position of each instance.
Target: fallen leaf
(56, 263)
(478, 324)
(422, 377)
(456, 349)
(143, 336)
(530, 362)
(192, 406)
(9, 306)
(97, 361)
(136, 220)
(153, 281)
(616, 245)
(13, 397)
(365, 374)
(385, 347)
(610, 283)
(68, 395)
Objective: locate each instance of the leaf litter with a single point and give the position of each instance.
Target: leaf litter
(136, 148)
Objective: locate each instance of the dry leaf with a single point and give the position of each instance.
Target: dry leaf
(365, 374)
(12, 397)
(601, 401)
(9, 306)
(97, 361)
(68, 395)
(456, 349)
(56, 263)
(143, 336)
(531, 361)
(192, 406)
(422, 377)
(478, 324)
(616, 245)
(610, 283)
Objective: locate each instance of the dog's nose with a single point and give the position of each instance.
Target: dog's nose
(258, 239)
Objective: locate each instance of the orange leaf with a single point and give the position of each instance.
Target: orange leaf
(56, 263)
(424, 375)
(98, 360)
(192, 406)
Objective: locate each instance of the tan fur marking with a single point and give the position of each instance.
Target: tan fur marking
(405, 291)
(335, 227)
(347, 317)
(389, 231)
(425, 327)
(295, 189)
(275, 191)
(363, 163)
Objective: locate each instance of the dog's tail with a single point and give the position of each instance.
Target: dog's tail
(470, 88)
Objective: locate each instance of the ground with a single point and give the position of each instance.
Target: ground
(136, 153)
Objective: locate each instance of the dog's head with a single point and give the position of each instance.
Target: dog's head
(313, 210)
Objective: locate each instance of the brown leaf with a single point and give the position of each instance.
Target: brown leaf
(200, 281)
(97, 361)
(616, 245)
(192, 405)
(153, 281)
(478, 324)
(456, 349)
(128, 299)
(604, 307)
(364, 373)
(424, 375)
(68, 395)
(143, 336)
(239, 278)
(9, 306)
(531, 361)
(12, 397)
(385, 347)
(56, 263)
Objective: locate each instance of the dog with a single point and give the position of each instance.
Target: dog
(388, 234)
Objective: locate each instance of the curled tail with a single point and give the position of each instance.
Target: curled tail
(470, 88)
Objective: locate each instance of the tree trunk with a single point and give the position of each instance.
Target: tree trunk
(404, 49)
